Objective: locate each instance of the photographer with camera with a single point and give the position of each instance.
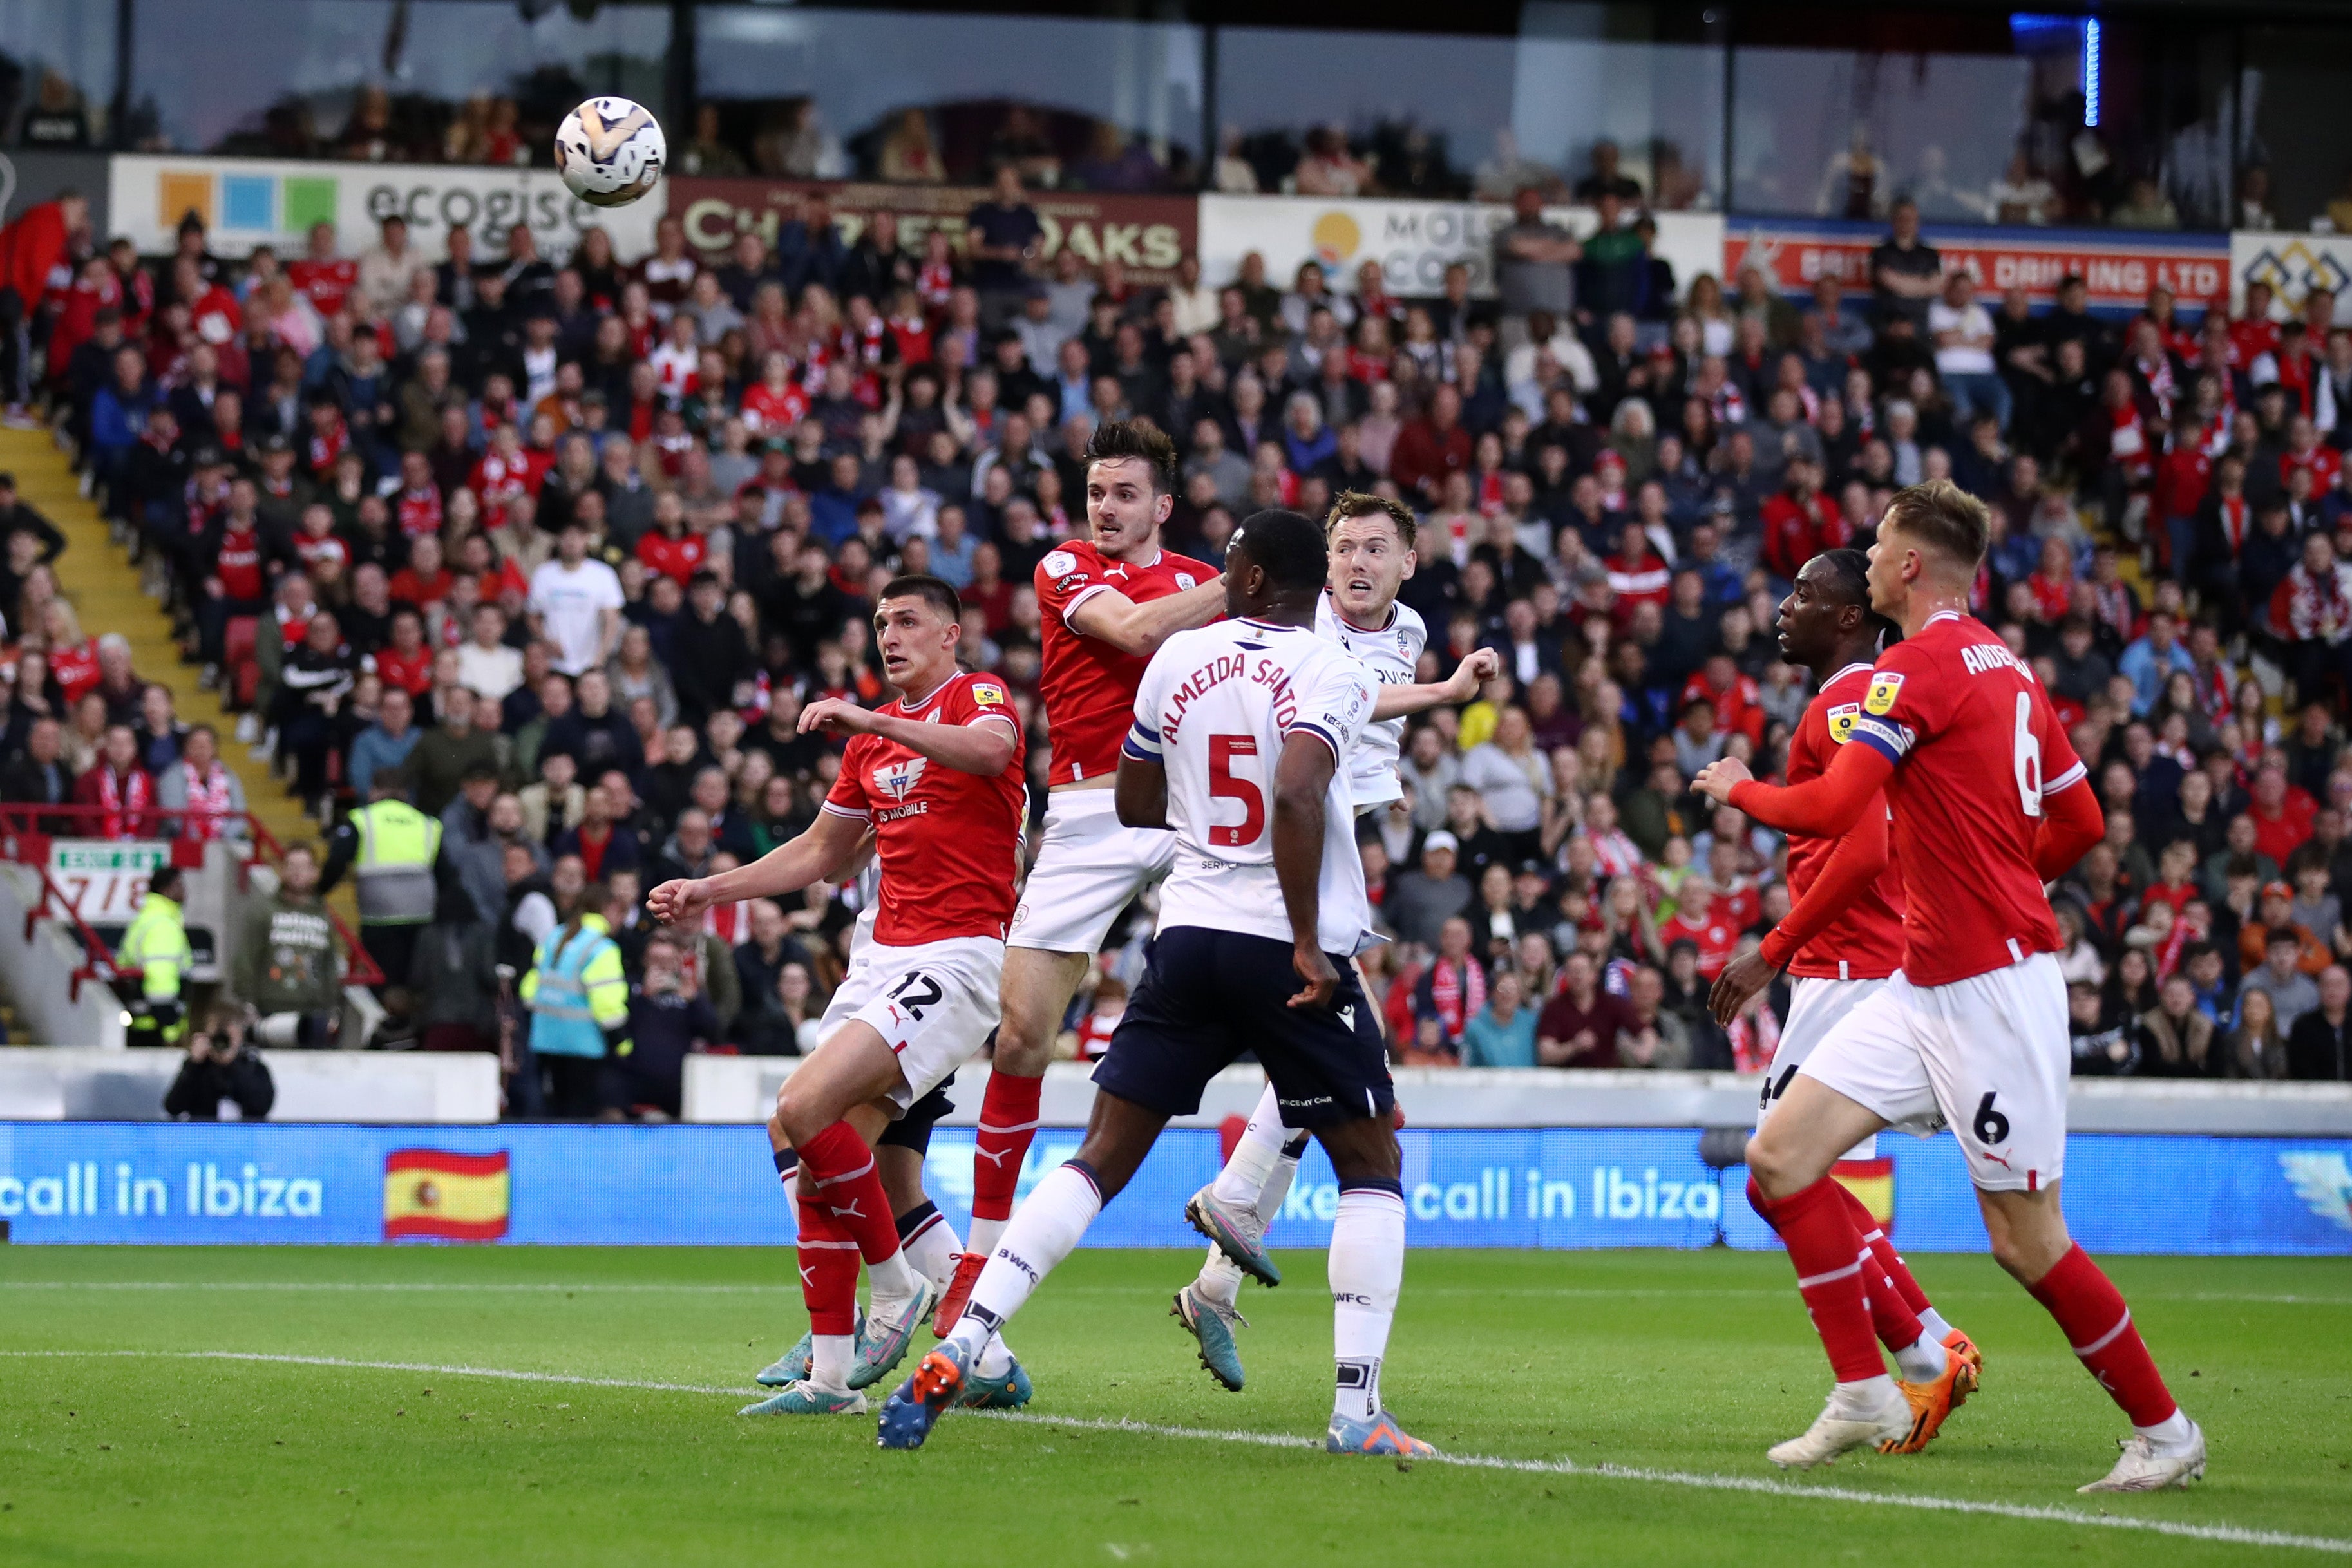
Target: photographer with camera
(670, 1017)
(219, 1067)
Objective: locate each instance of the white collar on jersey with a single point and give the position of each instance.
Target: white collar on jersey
(1139, 565)
(1341, 616)
(1939, 615)
(1269, 625)
(1850, 669)
(906, 707)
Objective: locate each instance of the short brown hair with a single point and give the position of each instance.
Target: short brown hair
(1946, 519)
(1358, 503)
(1140, 439)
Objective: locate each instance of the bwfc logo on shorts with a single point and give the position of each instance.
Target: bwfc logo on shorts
(987, 694)
(898, 780)
(1842, 718)
(1885, 687)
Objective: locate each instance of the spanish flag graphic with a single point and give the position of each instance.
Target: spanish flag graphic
(434, 1194)
(1873, 1181)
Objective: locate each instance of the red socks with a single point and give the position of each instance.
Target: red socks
(1828, 1253)
(840, 1168)
(1008, 1122)
(1893, 1312)
(828, 1267)
(2097, 1323)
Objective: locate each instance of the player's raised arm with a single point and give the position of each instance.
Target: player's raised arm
(821, 852)
(1826, 806)
(1301, 776)
(1141, 796)
(983, 746)
(1400, 702)
(1139, 629)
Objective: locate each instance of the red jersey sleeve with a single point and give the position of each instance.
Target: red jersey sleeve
(1066, 579)
(1904, 705)
(847, 797)
(2062, 769)
(978, 700)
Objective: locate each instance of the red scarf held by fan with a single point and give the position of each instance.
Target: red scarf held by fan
(209, 802)
(117, 824)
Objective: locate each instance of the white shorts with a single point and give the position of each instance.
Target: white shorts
(933, 1004)
(1089, 868)
(1987, 1054)
(1815, 1006)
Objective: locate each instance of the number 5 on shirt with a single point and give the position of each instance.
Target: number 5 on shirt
(1224, 785)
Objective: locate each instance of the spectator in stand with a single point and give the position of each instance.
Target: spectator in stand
(118, 788)
(2319, 1043)
(1502, 1032)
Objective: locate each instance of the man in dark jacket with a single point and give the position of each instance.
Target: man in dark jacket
(712, 653)
(2319, 1047)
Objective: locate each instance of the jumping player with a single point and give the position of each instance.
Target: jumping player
(1990, 801)
(1370, 541)
(1237, 742)
(1108, 603)
(938, 775)
(926, 1237)
(1838, 945)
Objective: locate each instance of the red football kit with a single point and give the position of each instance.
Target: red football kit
(327, 283)
(949, 842)
(678, 558)
(1976, 749)
(1089, 686)
(1852, 927)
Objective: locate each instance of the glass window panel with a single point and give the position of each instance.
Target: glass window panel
(2298, 170)
(923, 97)
(57, 72)
(432, 80)
(1446, 116)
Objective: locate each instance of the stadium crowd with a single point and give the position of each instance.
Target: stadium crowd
(560, 548)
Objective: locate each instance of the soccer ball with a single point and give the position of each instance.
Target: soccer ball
(610, 152)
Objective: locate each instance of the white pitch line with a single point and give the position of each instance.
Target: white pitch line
(2231, 1534)
(459, 1287)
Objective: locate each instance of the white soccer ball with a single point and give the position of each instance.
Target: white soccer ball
(610, 152)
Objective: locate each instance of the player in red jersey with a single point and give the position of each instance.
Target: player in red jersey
(1108, 603)
(1838, 945)
(1990, 801)
(937, 779)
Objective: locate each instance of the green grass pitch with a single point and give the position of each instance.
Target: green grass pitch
(130, 1434)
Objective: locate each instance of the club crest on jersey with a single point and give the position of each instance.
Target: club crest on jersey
(1185, 580)
(898, 780)
(1885, 687)
(1842, 718)
(1059, 564)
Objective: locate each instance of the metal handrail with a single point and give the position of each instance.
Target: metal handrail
(19, 819)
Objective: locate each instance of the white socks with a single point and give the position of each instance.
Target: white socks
(1220, 1280)
(891, 1279)
(1366, 1270)
(1045, 1229)
(1933, 1321)
(1865, 1398)
(1254, 1157)
(829, 1360)
(931, 1251)
(2169, 1433)
(1922, 1360)
(985, 1235)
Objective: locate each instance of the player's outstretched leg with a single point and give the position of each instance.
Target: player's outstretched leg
(1828, 1254)
(997, 1382)
(1008, 1124)
(1046, 1230)
(1367, 1268)
(841, 1172)
(2029, 1239)
(828, 1264)
(1263, 1163)
(1937, 1369)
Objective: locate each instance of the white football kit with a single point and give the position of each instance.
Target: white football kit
(1393, 654)
(1215, 682)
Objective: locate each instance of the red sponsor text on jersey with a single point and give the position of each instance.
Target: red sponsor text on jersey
(949, 842)
(1865, 941)
(1089, 686)
(1978, 746)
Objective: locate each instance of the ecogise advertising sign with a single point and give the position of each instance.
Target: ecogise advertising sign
(2119, 267)
(1146, 234)
(249, 202)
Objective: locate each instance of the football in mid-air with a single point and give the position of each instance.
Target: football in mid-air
(610, 152)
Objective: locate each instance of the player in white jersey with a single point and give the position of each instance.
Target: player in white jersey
(1370, 541)
(1239, 732)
